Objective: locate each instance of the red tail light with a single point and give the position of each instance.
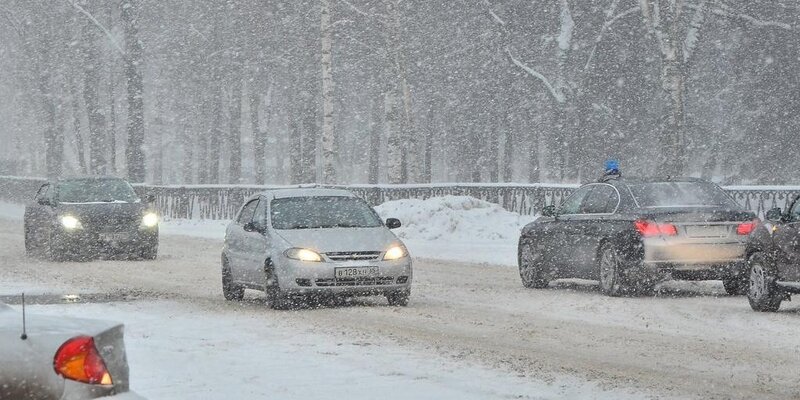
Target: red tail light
(746, 228)
(650, 229)
(78, 360)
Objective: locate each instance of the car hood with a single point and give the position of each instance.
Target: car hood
(340, 239)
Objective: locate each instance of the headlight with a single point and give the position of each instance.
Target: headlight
(303, 255)
(69, 222)
(395, 253)
(150, 220)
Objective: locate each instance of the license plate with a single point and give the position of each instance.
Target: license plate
(355, 272)
(114, 237)
(707, 231)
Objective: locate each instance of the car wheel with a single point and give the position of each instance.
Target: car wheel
(148, 252)
(398, 298)
(275, 297)
(56, 252)
(231, 290)
(735, 285)
(30, 249)
(530, 270)
(763, 292)
(611, 279)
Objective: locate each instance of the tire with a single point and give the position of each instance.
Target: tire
(230, 290)
(30, 249)
(736, 285)
(398, 298)
(763, 292)
(531, 272)
(148, 252)
(612, 283)
(55, 252)
(275, 298)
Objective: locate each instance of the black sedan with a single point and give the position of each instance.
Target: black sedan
(773, 255)
(631, 234)
(83, 217)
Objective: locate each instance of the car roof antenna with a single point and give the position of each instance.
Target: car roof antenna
(24, 327)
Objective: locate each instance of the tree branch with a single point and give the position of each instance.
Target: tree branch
(559, 97)
(379, 17)
(99, 25)
(605, 27)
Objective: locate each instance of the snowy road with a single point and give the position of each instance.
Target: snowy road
(691, 341)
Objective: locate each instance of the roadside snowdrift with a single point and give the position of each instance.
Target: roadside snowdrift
(459, 228)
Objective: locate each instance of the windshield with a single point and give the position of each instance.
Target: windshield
(322, 212)
(96, 191)
(681, 194)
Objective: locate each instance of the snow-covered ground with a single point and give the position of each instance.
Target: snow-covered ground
(179, 351)
(458, 228)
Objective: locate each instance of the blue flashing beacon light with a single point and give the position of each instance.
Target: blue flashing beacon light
(612, 167)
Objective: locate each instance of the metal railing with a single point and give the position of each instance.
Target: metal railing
(221, 202)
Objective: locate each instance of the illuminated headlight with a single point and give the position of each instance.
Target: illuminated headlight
(150, 220)
(303, 255)
(69, 222)
(395, 253)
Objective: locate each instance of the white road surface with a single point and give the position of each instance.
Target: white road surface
(471, 331)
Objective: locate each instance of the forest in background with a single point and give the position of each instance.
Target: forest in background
(399, 91)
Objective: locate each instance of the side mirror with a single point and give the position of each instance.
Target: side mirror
(393, 223)
(774, 214)
(549, 211)
(251, 227)
(150, 198)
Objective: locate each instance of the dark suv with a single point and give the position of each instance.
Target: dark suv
(82, 217)
(773, 255)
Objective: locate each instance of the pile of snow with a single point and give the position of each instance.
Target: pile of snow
(458, 228)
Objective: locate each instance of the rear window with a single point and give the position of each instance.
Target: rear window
(681, 194)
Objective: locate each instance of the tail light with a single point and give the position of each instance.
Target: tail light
(78, 360)
(650, 228)
(746, 228)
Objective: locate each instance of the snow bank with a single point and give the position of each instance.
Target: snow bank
(460, 228)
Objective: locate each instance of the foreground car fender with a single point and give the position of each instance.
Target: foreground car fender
(27, 367)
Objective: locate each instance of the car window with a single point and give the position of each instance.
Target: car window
(42, 193)
(795, 212)
(603, 199)
(246, 215)
(260, 215)
(95, 191)
(322, 212)
(572, 204)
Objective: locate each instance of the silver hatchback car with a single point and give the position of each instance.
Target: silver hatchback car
(322, 242)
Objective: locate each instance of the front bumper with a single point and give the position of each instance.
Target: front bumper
(81, 241)
(298, 277)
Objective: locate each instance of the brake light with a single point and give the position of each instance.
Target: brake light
(650, 229)
(746, 228)
(78, 360)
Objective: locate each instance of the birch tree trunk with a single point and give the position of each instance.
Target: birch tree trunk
(259, 142)
(92, 65)
(375, 139)
(394, 149)
(235, 131)
(134, 64)
(328, 138)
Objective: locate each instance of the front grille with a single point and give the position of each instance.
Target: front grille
(354, 255)
(113, 225)
(377, 281)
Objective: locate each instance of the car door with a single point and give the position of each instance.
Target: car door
(235, 242)
(787, 242)
(256, 244)
(586, 229)
(560, 244)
